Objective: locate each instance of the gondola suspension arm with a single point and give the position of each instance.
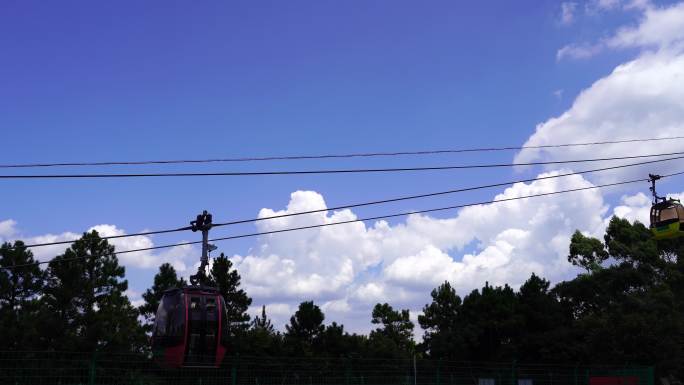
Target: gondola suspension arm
(653, 178)
(202, 223)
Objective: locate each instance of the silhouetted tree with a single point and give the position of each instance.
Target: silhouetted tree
(490, 322)
(261, 339)
(543, 334)
(394, 336)
(633, 310)
(21, 281)
(305, 327)
(586, 252)
(441, 321)
(85, 300)
(227, 280)
(263, 322)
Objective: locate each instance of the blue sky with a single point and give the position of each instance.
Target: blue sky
(84, 81)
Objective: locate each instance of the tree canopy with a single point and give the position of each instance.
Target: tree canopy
(626, 306)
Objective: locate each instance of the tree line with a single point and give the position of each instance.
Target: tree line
(626, 308)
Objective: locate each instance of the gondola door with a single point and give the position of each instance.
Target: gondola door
(203, 330)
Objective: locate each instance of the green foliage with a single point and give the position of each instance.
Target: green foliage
(490, 321)
(19, 289)
(543, 325)
(627, 307)
(306, 325)
(394, 336)
(21, 284)
(631, 311)
(440, 319)
(586, 252)
(263, 322)
(227, 280)
(261, 339)
(85, 302)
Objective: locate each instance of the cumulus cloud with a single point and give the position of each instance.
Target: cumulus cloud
(45, 253)
(639, 99)
(348, 268)
(142, 259)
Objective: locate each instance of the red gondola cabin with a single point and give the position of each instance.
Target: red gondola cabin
(190, 329)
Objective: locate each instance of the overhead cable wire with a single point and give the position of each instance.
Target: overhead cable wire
(333, 171)
(334, 156)
(370, 203)
(427, 195)
(257, 234)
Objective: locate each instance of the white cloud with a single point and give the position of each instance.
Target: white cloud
(637, 207)
(138, 259)
(567, 12)
(596, 6)
(135, 298)
(639, 99)
(659, 28)
(633, 208)
(45, 253)
(278, 313)
(7, 229)
(607, 4)
(348, 268)
(578, 51)
(142, 259)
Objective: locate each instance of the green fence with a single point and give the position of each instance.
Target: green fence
(48, 368)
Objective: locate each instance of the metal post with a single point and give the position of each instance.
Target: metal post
(203, 224)
(438, 381)
(347, 372)
(91, 371)
(415, 372)
(513, 376)
(205, 244)
(233, 370)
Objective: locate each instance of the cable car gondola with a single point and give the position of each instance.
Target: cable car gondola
(190, 328)
(667, 215)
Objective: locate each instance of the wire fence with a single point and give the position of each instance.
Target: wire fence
(58, 368)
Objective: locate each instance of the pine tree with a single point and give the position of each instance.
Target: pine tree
(263, 322)
(304, 330)
(19, 288)
(440, 319)
(395, 335)
(86, 302)
(227, 280)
